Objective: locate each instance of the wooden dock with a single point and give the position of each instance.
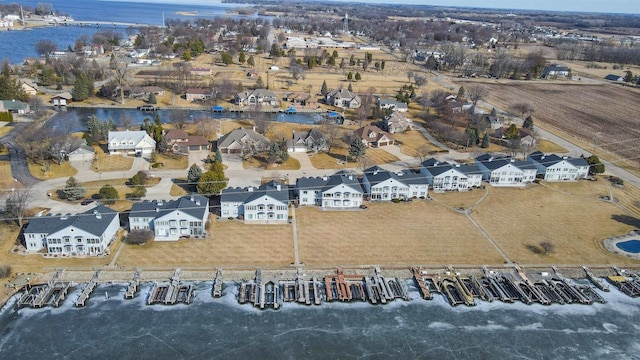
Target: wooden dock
(133, 286)
(88, 289)
(598, 282)
(217, 284)
(51, 293)
(172, 292)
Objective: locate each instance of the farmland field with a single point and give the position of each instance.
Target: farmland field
(602, 114)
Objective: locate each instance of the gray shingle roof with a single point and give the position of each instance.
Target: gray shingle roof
(248, 194)
(88, 221)
(237, 134)
(193, 204)
(325, 183)
(376, 175)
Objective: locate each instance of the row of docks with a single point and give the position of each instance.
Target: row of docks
(172, 292)
(52, 293)
(508, 287)
(626, 282)
(87, 290)
(271, 292)
(216, 290)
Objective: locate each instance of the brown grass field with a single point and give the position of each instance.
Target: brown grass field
(591, 113)
(106, 162)
(55, 171)
(172, 161)
(261, 162)
(6, 179)
(547, 146)
(336, 159)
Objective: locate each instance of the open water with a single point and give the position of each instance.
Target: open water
(15, 46)
(222, 329)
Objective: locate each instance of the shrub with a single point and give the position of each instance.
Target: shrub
(139, 237)
(395, 201)
(108, 194)
(5, 271)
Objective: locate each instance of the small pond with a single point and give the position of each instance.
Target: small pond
(630, 246)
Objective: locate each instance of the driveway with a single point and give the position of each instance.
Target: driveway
(198, 157)
(17, 156)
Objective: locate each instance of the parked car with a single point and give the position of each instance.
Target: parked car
(86, 201)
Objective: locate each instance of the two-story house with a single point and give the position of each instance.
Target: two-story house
(343, 98)
(266, 204)
(180, 141)
(130, 142)
(311, 140)
(256, 97)
(552, 167)
(338, 191)
(383, 185)
(504, 171)
(88, 233)
(373, 136)
(185, 217)
(443, 176)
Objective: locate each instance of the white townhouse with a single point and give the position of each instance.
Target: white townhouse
(130, 142)
(88, 233)
(383, 185)
(505, 171)
(555, 168)
(338, 191)
(443, 176)
(266, 204)
(185, 217)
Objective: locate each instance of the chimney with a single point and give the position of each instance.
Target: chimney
(375, 172)
(491, 159)
(350, 177)
(157, 209)
(250, 189)
(192, 198)
(278, 187)
(457, 165)
(325, 178)
(97, 214)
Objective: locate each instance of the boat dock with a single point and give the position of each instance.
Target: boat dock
(598, 282)
(88, 289)
(629, 285)
(51, 293)
(172, 292)
(421, 284)
(217, 284)
(133, 286)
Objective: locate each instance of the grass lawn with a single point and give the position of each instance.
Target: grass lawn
(6, 179)
(412, 141)
(547, 146)
(259, 161)
(4, 130)
(106, 162)
(171, 162)
(55, 171)
(335, 160)
(231, 243)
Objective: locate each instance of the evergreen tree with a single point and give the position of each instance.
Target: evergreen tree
(597, 167)
(350, 88)
(212, 181)
(242, 58)
(194, 174)
(153, 99)
(73, 190)
(83, 88)
(350, 76)
(219, 156)
(357, 149)
(461, 92)
(251, 61)
(358, 76)
(324, 90)
(528, 123)
(108, 194)
(382, 65)
(485, 141)
(10, 88)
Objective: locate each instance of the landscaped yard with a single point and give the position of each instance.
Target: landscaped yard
(547, 146)
(259, 161)
(412, 141)
(106, 162)
(171, 162)
(336, 160)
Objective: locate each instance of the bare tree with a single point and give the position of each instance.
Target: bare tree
(476, 93)
(547, 247)
(332, 135)
(522, 108)
(179, 119)
(365, 162)
(16, 204)
(120, 74)
(45, 48)
(423, 152)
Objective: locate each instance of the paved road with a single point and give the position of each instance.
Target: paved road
(17, 157)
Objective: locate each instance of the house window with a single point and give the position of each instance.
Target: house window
(183, 222)
(173, 223)
(173, 231)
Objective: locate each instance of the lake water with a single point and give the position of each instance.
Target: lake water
(76, 118)
(15, 46)
(223, 329)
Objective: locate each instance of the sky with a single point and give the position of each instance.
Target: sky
(611, 6)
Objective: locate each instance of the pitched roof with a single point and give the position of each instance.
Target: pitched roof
(376, 175)
(65, 95)
(341, 93)
(193, 204)
(248, 194)
(324, 183)
(94, 221)
(371, 133)
(174, 134)
(82, 149)
(128, 136)
(238, 134)
(13, 105)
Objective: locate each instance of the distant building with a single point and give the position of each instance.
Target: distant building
(130, 142)
(552, 167)
(343, 98)
(397, 122)
(555, 71)
(198, 94)
(373, 136)
(613, 77)
(242, 141)
(393, 105)
(14, 106)
(61, 99)
(181, 142)
(304, 141)
(256, 97)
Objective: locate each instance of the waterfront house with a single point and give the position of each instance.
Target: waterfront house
(61, 99)
(504, 171)
(383, 185)
(552, 167)
(443, 176)
(195, 94)
(243, 141)
(88, 233)
(339, 191)
(130, 142)
(343, 98)
(29, 87)
(185, 217)
(182, 143)
(256, 97)
(373, 136)
(266, 204)
(303, 141)
(297, 98)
